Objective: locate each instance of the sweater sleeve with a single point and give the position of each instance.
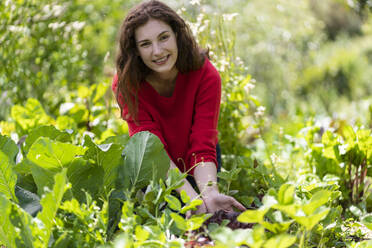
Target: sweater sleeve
(203, 137)
(144, 120)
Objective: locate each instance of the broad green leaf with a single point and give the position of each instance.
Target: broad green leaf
(181, 223)
(8, 146)
(145, 160)
(98, 91)
(116, 199)
(285, 194)
(8, 178)
(85, 177)
(252, 216)
(49, 157)
(106, 156)
(50, 203)
(45, 131)
(83, 91)
(191, 205)
(141, 233)
(310, 221)
(367, 221)
(119, 139)
(30, 116)
(225, 237)
(16, 229)
(280, 241)
(185, 197)
(196, 221)
(29, 201)
(277, 227)
(64, 122)
(348, 133)
(175, 179)
(173, 202)
(318, 199)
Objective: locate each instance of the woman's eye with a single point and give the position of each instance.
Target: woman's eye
(145, 44)
(164, 37)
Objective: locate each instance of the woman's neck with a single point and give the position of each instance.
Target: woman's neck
(164, 78)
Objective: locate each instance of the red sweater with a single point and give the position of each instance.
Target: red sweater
(186, 122)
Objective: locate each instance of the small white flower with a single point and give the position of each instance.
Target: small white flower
(195, 2)
(229, 17)
(260, 111)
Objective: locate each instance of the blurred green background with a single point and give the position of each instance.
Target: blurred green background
(305, 58)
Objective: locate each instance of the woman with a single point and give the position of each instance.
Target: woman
(165, 84)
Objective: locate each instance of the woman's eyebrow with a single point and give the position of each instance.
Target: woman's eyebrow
(166, 31)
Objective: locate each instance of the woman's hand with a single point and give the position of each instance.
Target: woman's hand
(215, 201)
(206, 177)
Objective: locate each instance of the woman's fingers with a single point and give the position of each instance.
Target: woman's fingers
(238, 205)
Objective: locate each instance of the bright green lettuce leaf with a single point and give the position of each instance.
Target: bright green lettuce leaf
(30, 116)
(280, 241)
(16, 229)
(49, 157)
(285, 194)
(8, 178)
(50, 203)
(8, 146)
(145, 160)
(45, 131)
(253, 216)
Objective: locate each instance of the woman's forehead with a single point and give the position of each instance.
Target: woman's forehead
(151, 29)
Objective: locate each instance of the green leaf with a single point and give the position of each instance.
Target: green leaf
(280, 241)
(17, 228)
(367, 221)
(45, 131)
(318, 199)
(277, 227)
(193, 205)
(30, 116)
(310, 221)
(252, 216)
(173, 202)
(8, 178)
(29, 201)
(50, 203)
(196, 221)
(145, 160)
(49, 157)
(181, 223)
(141, 233)
(116, 199)
(106, 156)
(119, 139)
(185, 197)
(285, 194)
(85, 177)
(175, 179)
(8, 146)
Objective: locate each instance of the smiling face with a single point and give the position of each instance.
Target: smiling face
(157, 46)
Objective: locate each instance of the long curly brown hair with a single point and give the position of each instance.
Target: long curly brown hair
(131, 70)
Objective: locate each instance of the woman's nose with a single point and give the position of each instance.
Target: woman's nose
(156, 49)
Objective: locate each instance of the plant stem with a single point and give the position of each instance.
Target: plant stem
(302, 241)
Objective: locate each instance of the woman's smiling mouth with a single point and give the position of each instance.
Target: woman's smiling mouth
(162, 60)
